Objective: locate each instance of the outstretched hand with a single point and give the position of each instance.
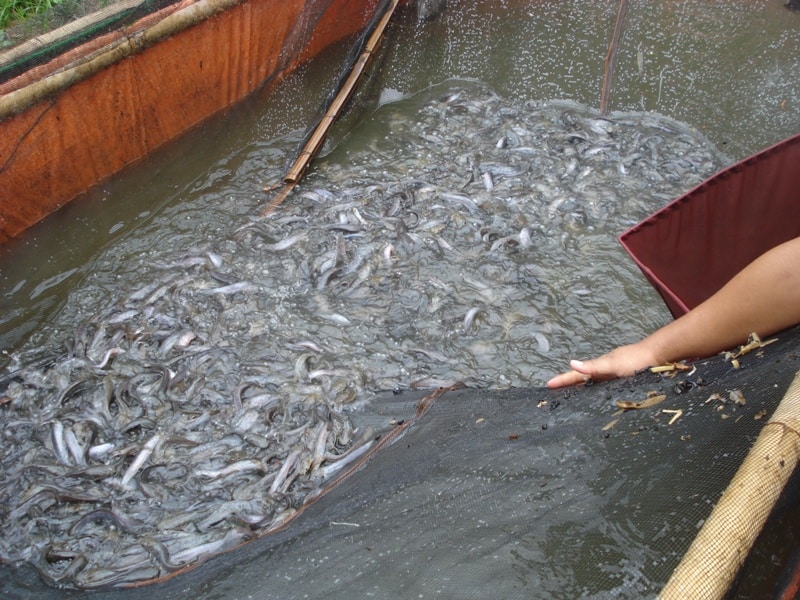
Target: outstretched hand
(621, 362)
(764, 298)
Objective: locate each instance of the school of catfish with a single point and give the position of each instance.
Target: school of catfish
(202, 408)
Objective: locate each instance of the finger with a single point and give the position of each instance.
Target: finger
(581, 366)
(566, 379)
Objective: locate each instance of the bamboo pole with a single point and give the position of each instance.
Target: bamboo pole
(18, 100)
(314, 143)
(709, 567)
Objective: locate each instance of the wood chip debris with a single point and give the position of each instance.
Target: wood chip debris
(676, 414)
(672, 367)
(652, 399)
(737, 397)
(610, 425)
(753, 343)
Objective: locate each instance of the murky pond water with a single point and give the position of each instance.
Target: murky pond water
(463, 231)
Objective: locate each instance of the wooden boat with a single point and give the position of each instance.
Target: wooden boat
(688, 250)
(143, 85)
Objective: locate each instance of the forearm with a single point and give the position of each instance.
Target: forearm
(763, 298)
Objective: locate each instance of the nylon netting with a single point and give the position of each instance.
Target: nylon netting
(519, 493)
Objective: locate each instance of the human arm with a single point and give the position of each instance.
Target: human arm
(764, 297)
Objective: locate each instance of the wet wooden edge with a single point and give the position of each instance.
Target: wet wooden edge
(65, 31)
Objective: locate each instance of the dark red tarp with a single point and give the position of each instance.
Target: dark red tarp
(694, 245)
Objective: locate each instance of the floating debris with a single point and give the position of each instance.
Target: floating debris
(672, 368)
(609, 425)
(753, 343)
(676, 414)
(737, 397)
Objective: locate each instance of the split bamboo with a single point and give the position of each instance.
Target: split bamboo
(314, 143)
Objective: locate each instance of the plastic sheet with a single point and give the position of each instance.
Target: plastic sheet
(694, 245)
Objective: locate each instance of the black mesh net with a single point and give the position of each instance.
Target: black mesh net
(67, 25)
(520, 493)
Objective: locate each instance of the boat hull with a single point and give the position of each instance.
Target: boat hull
(694, 245)
(63, 143)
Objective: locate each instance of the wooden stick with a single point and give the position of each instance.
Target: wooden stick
(611, 57)
(314, 143)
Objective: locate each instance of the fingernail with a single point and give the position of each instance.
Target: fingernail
(576, 364)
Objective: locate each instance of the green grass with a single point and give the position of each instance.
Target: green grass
(21, 20)
(12, 11)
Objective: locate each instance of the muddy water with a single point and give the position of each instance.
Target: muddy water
(465, 230)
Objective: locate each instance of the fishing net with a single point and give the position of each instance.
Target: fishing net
(40, 40)
(589, 492)
(519, 493)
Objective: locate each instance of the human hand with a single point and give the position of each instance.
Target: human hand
(622, 362)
